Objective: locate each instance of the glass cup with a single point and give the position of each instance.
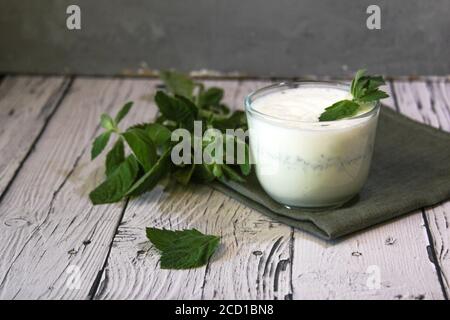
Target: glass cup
(313, 165)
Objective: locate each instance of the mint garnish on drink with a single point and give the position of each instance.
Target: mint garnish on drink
(364, 89)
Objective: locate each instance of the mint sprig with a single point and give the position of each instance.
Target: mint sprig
(183, 249)
(111, 126)
(364, 89)
(184, 102)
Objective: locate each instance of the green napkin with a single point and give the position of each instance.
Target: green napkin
(410, 170)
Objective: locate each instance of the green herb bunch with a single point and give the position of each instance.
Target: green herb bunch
(150, 145)
(364, 89)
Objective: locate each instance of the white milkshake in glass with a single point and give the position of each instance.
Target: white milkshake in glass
(300, 161)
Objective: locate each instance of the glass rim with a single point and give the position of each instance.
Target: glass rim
(295, 84)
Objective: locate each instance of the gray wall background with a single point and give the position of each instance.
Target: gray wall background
(283, 38)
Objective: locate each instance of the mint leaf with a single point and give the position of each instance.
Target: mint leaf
(210, 97)
(188, 103)
(115, 157)
(143, 147)
(149, 180)
(177, 109)
(169, 124)
(183, 175)
(365, 88)
(189, 252)
(115, 187)
(375, 82)
(107, 122)
(219, 109)
(183, 249)
(360, 73)
(339, 110)
(372, 96)
(158, 133)
(231, 174)
(178, 84)
(123, 112)
(236, 120)
(163, 238)
(99, 144)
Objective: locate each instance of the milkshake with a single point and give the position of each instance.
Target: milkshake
(300, 161)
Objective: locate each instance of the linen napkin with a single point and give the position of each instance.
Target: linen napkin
(410, 170)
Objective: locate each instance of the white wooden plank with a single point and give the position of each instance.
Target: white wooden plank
(341, 270)
(252, 261)
(36, 250)
(49, 230)
(429, 102)
(25, 105)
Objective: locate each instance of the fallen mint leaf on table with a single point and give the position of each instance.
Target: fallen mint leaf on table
(183, 249)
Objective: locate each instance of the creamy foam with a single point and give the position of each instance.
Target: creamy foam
(302, 103)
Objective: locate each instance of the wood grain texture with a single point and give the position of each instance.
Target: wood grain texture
(252, 261)
(50, 232)
(429, 102)
(397, 250)
(26, 104)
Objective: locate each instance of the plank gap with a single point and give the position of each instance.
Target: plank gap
(291, 264)
(98, 279)
(434, 259)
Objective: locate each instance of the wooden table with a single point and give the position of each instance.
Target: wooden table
(54, 244)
